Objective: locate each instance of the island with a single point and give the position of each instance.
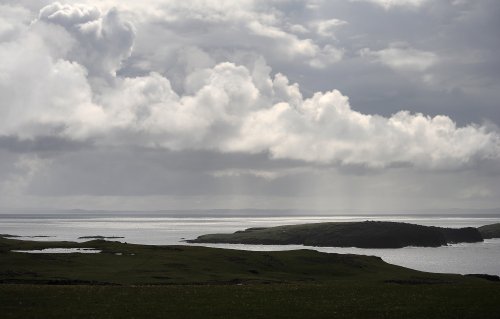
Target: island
(367, 234)
(490, 231)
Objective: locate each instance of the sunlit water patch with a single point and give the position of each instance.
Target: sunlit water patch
(60, 251)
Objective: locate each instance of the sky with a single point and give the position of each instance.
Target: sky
(354, 105)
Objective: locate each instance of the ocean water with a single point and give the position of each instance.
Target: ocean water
(165, 229)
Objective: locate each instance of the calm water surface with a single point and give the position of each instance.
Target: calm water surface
(165, 230)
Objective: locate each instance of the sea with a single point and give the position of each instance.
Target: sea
(172, 228)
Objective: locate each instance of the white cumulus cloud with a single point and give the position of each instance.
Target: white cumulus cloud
(103, 40)
(53, 87)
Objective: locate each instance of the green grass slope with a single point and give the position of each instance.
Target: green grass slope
(367, 234)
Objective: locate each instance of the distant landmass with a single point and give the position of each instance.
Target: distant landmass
(368, 234)
(100, 237)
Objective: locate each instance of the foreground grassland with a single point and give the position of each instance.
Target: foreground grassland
(335, 300)
(137, 281)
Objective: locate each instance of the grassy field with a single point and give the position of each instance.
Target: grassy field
(138, 281)
(339, 300)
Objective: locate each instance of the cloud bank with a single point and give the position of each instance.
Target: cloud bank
(60, 77)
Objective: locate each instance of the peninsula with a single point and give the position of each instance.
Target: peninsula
(368, 234)
(490, 231)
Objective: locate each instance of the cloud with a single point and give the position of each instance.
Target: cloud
(298, 28)
(222, 28)
(70, 89)
(475, 192)
(13, 21)
(43, 96)
(327, 56)
(24, 171)
(401, 57)
(232, 110)
(103, 41)
(327, 28)
(268, 175)
(389, 4)
(165, 104)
